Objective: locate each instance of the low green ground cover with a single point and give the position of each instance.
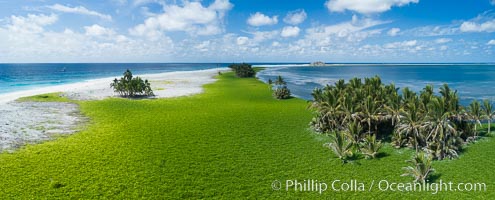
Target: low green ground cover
(232, 141)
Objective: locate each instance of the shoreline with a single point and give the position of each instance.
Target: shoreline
(100, 88)
(27, 122)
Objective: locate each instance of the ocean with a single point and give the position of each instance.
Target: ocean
(472, 81)
(16, 77)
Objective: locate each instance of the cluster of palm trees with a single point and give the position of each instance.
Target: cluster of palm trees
(435, 124)
(129, 86)
(280, 91)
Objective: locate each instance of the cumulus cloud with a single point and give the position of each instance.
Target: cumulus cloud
(31, 24)
(442, 40)
(491, 42)
(192, 17)
(365, 6)
(242, 40)
(353, 30)
(471, 26)
(290, 31)
(259, 19)
(97, 30)
(25, 38)
(393, 31)
(261, 36)
(395, 45)
(295, 17)
(79, 10)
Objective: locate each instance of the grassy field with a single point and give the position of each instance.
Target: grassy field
(233, 141)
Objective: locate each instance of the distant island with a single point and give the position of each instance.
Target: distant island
(317, 64)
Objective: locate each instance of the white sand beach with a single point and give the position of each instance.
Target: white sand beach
(31, 122)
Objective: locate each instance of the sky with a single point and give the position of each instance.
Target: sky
(352, 31)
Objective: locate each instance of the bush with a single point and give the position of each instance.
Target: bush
(341, 146)
(128, 86)
(281, 91)
(370, 146)
(421, 167)
(243, 70)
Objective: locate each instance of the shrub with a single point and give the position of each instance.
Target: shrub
(421, 167)
(243, 70)
(129, 86)
(341, 146)
(370, 146)
(281, 91)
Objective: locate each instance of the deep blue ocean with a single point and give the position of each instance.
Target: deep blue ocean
(473, 81)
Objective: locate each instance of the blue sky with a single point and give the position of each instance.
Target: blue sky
(247, 30)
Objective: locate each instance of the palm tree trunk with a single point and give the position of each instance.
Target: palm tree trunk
(475, 132)
(489, 126)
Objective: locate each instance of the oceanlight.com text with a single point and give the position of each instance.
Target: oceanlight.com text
(311, 185)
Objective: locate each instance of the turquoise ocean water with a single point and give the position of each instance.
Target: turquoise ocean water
(473, 81)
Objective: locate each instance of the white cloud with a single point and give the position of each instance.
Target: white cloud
(470, 26)
(259, 19)
(192, 17)
(260, 36)
(24, 39)
(97, 30)
(354, 30)
(79, 10)
(443, 47)
(31, 24)
(203, 46)
(295, 17)
(427, 31)
(365, 6)
(242, 40)
(395, 45)
(491, 42)
(290, 31)
(442, 40)
(393, 31)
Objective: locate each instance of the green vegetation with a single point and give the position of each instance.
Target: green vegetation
(50, 97)
(220, 144)
(243, 70)
(488, 113)
(421, 167)
(128, 86)
(281, 91)
(436, 124)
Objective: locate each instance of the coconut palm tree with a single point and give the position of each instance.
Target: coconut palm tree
(370, 146)
(354, 131)
(426, 95)
(327, 108)
(393, 108)
(488, 112)
(341, 146)
(421, 167)
(442, 139)
(370, 112)
(280, 81)
(411, 126)
(475, 113)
